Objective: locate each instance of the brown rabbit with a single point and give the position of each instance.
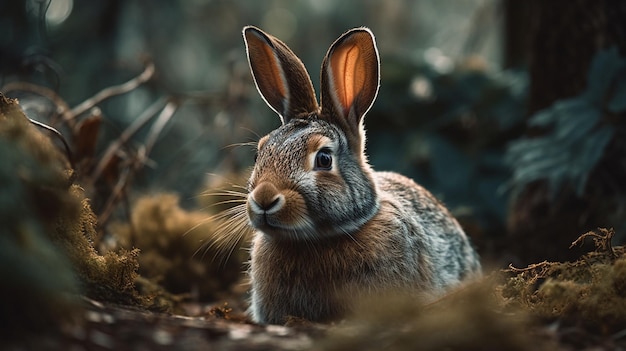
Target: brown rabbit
(329, 229)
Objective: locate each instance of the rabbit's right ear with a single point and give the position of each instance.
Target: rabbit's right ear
(279, 75)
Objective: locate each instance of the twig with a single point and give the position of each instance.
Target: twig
(63, 108)
(116, 194)
(140, 157)
(114, 90)
(67, 113)
(123, 139)
(68, 152)
(166, 114)
(535, 266)
(602, 242)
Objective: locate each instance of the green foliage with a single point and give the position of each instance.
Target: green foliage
(578, 130)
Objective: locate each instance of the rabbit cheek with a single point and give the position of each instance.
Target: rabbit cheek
(331, 183)
(294, 214)
(330, 187)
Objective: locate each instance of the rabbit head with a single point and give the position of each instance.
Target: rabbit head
(311, 178)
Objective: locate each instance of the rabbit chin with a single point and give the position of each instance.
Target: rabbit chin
(304, 230)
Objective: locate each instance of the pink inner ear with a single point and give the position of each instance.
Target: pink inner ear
(267, 73)
(348, 74)
(274, 71)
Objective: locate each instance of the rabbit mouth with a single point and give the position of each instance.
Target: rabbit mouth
(273, 227)
(280, 223)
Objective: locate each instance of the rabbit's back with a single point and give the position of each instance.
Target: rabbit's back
(431, 230)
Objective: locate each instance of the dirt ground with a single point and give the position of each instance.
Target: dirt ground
(66, 287)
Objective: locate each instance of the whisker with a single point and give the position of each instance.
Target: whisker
(233, 211)
(232, 229)
(233, 145)
(213, 192)
(197, 225)
(217, 175)
(230, 194)
(229, 197)
(235, 243)
(232, 201)
(257, 136)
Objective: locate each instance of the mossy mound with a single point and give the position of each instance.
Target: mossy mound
(39, 285)
(180, 249)
(46, 233)
(589, 293)
(469, 318)
(546, 306)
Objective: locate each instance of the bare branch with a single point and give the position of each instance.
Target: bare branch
(68, 151)
(116, 194)
(602, 241)
(166, 114)
(123, 139)
(140, 157)
(63, 108)
(541, 267)
(114, 90)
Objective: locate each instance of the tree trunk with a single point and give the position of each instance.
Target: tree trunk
(563, 36)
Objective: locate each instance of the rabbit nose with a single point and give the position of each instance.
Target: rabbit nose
(266, 199)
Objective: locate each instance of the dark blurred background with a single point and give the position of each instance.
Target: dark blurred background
(512, 112)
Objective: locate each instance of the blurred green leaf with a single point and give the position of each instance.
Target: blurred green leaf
(576, 134)
(605, 67)
(543, 118)
(617, 103)
(590, 151)
(572, 129)
(565, 155)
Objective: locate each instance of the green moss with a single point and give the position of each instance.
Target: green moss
(590, 292)
(47, 229)
(108, 277)
(38, 283)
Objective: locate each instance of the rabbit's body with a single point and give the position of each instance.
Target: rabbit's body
(318, 280)
(330, 230)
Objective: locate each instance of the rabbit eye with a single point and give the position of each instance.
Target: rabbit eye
(323, 160)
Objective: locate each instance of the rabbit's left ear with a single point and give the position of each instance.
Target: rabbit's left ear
(350, 80)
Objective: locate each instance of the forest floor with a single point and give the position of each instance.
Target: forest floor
(546, 306)
(61, 293)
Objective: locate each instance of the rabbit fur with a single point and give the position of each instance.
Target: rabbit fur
(328, 229)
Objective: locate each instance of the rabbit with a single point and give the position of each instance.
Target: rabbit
(328, 229)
